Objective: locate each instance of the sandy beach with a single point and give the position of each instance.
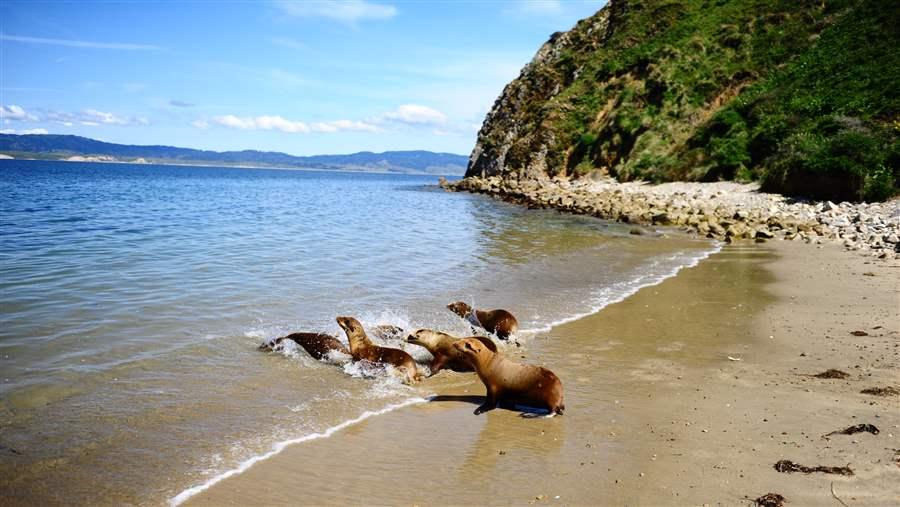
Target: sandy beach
(687, 393)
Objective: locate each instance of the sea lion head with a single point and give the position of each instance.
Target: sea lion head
(355, 332)
(460, 308)
(424, 337)
(472, 349)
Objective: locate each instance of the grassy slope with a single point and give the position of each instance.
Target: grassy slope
(802, 95)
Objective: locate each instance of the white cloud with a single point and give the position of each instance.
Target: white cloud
(282, 124)
(346, 11)
(93, 118)
(180, 103)
(79, 43)
(338, 125)
(92, 115)
(24, 132)
(262, 123)
(414, 114)
(14, 112)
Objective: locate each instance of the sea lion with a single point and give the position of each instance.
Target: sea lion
(499, 322)
(362, 348)
(441, 347)
(317, 345)
(507, 380)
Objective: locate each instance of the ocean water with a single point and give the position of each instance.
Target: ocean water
(134, 298)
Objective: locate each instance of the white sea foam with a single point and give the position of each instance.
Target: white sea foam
(280, 446)
(620, 291)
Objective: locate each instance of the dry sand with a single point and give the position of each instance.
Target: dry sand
(658, 412)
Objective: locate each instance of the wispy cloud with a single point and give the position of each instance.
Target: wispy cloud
(16, 113)
(286, 78)
(135, 87)
(24, 132)
(541, 6)
(26, 89)
(180, 103)
(346, 11)
(79, 43)
(553, 8)
(288, 42)
(414, 114)
(284, 125)
(93, 118)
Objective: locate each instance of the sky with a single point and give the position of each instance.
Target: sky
(302, 77)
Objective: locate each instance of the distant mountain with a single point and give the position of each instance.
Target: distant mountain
(82, 148)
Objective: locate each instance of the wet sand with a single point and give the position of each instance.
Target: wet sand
(686, 393)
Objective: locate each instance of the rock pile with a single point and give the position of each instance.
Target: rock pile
(725, 211)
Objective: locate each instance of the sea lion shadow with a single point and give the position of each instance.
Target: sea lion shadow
(524, 410)
(463, 398)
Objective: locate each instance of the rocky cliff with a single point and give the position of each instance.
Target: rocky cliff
(802, 95)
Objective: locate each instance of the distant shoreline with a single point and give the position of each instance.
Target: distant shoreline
(91, 160)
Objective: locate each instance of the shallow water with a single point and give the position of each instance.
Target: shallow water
(134, 298)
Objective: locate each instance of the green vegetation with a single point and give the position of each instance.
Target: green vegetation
(802, 95)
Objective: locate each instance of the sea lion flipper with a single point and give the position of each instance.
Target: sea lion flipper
(490, 403)
(437, 364)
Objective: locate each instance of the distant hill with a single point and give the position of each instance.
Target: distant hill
(59, 147)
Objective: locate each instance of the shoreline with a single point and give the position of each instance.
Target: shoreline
(725, 211)
(688, 391)
(211, 165)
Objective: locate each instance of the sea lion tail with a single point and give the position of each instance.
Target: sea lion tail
(559, 410)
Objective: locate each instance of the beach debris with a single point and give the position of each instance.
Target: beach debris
(882, 391)
(868, 273)
(734, 358)
(836, 497)
(787, 466)
(832, 373)
(859, 428)
(859, 333)
(10, 449)
(770, 500)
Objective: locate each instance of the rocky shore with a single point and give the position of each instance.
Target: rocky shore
(725, 211)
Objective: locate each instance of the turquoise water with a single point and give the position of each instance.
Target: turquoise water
(134, 297)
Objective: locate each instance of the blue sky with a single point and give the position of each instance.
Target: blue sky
(305, 78)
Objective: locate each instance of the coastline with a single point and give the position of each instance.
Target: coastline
(726, 211)
(687, 392)
(96, 160)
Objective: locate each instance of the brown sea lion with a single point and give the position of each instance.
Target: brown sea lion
(361, 348)
(441, 347)
(317, 345)
(509, 381)
(499, 322)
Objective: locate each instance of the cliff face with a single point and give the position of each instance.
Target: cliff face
(800, 94)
